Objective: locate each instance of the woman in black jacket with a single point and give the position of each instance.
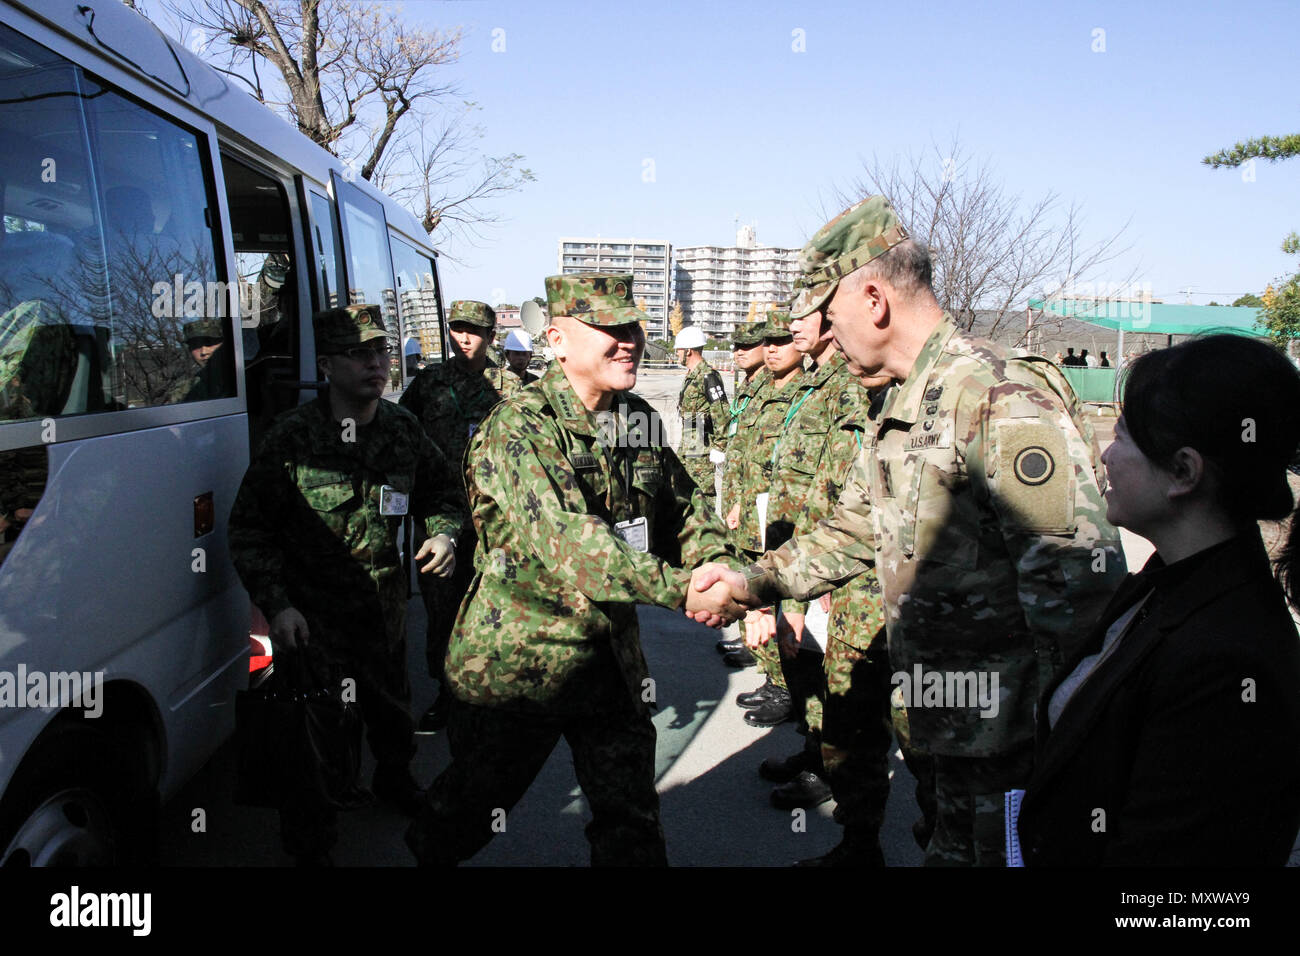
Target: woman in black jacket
(1173, 738)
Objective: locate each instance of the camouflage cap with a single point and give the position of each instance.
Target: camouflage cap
(777, 325)
(859, 234)
(596, 298)
(749, 334)
(202, 329)
(347, 327)
(472, 312)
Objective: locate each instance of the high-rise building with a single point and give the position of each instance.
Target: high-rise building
(649, 261)
(716, 284)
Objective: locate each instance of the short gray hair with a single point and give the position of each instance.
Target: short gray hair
(906, 267)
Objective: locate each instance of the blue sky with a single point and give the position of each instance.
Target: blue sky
(739, 124)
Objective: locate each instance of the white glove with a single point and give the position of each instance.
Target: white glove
(716, 456)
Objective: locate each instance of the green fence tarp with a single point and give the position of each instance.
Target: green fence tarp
(1091, 384)
(1157, 317)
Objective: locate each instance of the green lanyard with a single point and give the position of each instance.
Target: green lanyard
(735, 415)
(794, 410)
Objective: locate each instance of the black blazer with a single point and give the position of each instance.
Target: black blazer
(1163, 738)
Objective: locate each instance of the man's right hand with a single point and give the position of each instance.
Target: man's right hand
(288, 630)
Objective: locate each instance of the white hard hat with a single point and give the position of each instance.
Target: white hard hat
(689, 338)
(517, 340)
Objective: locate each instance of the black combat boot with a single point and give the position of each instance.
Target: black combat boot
(777, 709)
(783, 771)
(756, 698)
(806, 790)
(740, 658)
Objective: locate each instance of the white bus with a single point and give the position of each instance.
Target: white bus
(165, 242)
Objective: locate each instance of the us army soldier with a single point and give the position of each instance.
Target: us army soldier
(979, 499)
(581, 515)
(313, 535)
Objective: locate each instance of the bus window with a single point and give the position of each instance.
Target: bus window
(168, 312)
(370, 268)
(324, 244)
(417, 299)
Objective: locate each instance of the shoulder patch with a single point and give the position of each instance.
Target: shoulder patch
(1035, 479)
(714, 390)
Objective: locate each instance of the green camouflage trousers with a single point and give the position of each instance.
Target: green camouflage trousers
(970, 829)
(769, 662)
(497, 753)
(857, 735)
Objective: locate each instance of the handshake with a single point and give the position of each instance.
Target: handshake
(718, 595)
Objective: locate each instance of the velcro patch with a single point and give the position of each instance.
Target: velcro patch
(583, 462)
(1035, 477)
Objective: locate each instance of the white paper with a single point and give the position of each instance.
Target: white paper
(761, 503)
(814, 626)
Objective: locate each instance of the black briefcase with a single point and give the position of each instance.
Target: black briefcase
(298, 742)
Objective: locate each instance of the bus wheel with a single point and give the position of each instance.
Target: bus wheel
(74, 803)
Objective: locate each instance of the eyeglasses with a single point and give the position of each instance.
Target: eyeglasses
(364, 353)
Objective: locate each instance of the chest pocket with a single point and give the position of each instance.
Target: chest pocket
(937, 525)
(325, 490)
(647, 475)
(801, 451)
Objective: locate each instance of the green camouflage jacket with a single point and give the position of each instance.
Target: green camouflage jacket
(703, 407)
(740, 433)
(306, 532)
(980, 499)
(509, 382)
(756, 467)
(450, 401)
(827, 393)
(549, 624)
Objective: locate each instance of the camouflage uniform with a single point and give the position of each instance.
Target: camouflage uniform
(755, 479)
(741, 437)
(856, 731)
(546, 645)
(979, 497)
(702, 405)
(306, 532)
(451, 400)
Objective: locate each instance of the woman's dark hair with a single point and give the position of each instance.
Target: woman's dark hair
(1235, 400)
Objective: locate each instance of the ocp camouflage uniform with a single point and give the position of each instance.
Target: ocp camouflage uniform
(856, 731)
(306, 532)
(702, 405)
(451, 400)
(979, 500)
(547, 644)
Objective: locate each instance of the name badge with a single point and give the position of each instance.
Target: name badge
(583, 461)
(392, 502)
(635, 533)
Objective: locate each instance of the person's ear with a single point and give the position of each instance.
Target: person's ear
(1187, 472)
(874, 301)
(323, 366)
(555, 335)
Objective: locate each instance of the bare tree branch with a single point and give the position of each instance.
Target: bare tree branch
(990, 249)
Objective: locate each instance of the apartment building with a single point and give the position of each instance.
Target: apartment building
(649, 261)
(716, 284)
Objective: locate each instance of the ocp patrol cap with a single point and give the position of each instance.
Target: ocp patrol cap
(347, 327)
(596, 298)
(866, 230)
